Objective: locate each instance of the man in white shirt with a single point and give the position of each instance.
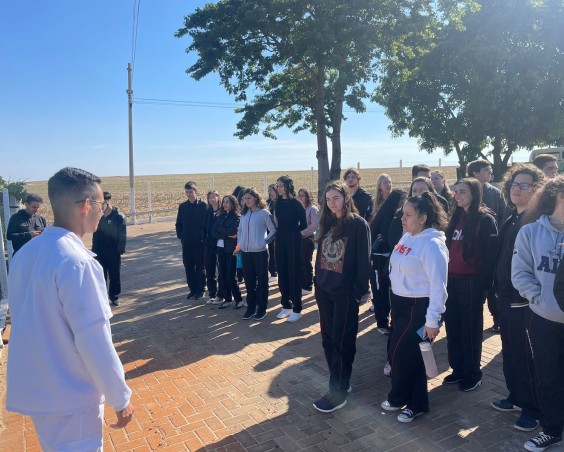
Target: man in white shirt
(62, 364)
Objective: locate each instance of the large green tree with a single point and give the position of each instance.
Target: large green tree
(485, 89)
(297, 63)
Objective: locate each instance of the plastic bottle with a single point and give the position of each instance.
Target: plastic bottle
(429, 359)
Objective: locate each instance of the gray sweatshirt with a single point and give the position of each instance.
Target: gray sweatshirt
(256, 230)
(312, 216)
(538, 250)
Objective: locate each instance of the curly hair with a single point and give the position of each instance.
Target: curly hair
(543, 201)
(234, 205)
(288, 185)
(513, 172)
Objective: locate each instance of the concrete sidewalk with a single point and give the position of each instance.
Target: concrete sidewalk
(204, 379)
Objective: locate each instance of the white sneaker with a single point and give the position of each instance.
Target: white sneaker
(294, 317)
(306, 292)
(217, 300)
(283, 313)
(387, 370)
(210, 301)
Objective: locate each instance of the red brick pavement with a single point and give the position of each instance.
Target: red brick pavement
(203, 379)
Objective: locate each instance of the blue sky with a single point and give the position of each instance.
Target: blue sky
(63, 80)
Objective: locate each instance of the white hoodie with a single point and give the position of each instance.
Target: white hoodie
(538, 250)
(419, 268)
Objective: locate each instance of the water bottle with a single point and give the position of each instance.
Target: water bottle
(429, 359)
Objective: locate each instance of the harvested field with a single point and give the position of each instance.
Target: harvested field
(167, 191)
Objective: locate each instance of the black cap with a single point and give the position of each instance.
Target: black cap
(107, 196)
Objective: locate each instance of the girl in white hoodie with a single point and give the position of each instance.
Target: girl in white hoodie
(418, 273)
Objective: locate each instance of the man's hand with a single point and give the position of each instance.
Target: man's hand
(35, 233)
(124, 417)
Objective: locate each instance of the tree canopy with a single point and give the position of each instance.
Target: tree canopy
(485, 89)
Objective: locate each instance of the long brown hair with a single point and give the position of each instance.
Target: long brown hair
(327, 220)
(261, 204)
(309, 200)
(475, 213)
(234, 205)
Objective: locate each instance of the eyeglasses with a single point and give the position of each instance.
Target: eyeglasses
(104, 204)
(523, 186)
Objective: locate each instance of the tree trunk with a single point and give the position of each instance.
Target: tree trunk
(461, 171)
(322, 151)
(497, 163)
(335, 172)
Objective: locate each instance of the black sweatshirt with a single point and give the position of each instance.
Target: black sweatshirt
(224, 227)
(189, 221)
(364, 202)
(111, 235)
(20, 226)
(343, 266)
(290, 216)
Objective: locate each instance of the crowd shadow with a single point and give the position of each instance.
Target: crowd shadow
(157, 330)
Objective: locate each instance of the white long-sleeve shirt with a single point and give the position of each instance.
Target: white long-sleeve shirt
(419, 268)
(61, 357)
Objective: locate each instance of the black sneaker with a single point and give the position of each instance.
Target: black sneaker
(330, 402)
(504, 405)
(190, 295)
(469, 385)
(541, 442)
(225, 304)
(495, 329)
(526, 423)
(408, 415)
(248, 315)
(260, 315)
(114, 301)
(239, 304)
(452, 379)
(198, 295)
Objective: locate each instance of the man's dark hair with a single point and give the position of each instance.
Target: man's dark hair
(353, 171)
(542, 159)
(107, 196)
(33, 197)
(476, 166)
(190, 185)
(415, 169)
(70, 185)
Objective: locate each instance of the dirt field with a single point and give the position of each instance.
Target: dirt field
(167, 190)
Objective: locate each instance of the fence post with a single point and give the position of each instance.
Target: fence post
(401, 171)
(150, 202)
(358, 166)
(9, 209)
(440, 161)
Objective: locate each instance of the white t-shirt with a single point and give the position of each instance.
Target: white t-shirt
(61, 357)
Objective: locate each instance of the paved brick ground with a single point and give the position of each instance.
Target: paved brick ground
(203, 379)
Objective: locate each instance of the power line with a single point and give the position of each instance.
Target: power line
(134, 31)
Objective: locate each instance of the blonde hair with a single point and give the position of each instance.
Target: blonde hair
(379, 198)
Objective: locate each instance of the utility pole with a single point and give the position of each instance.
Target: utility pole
(131, 175)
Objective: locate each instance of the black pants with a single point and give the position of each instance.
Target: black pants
(464, 322)
(111, 263)
(409, 380)
(289, 265)
(255, 268)
(338, 318)
(307, 255)
(210, 262)
(493, 306)
(518, 367)
(228, 286)
(380, 283)
(193, 260)
(547, 340)
(272, 258)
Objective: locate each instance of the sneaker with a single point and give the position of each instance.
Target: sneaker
(469, 385)
(495, 329)
(330, 402)
(526, 423)
(350, 389)
(190, 295)
(260, 315)
(504, 405)
(388, 407)
(225, 304)
(283, 313)
(387, 370)
(248, 315)
(372, 308)
(541, 442)
(239, 304)
(217, 300)
(408, 415)
(306, 292)
(198, 296)
(114, 302)
(210, 301)
(384, 330)
(452, 379)
(294, 317)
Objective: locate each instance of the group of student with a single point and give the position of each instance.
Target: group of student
(429, 255)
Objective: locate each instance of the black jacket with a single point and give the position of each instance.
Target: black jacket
(507, 236)
(364, 202)
(189, 221)
(225, 226)
(207, 227)
(20, 226)
(111, 235)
